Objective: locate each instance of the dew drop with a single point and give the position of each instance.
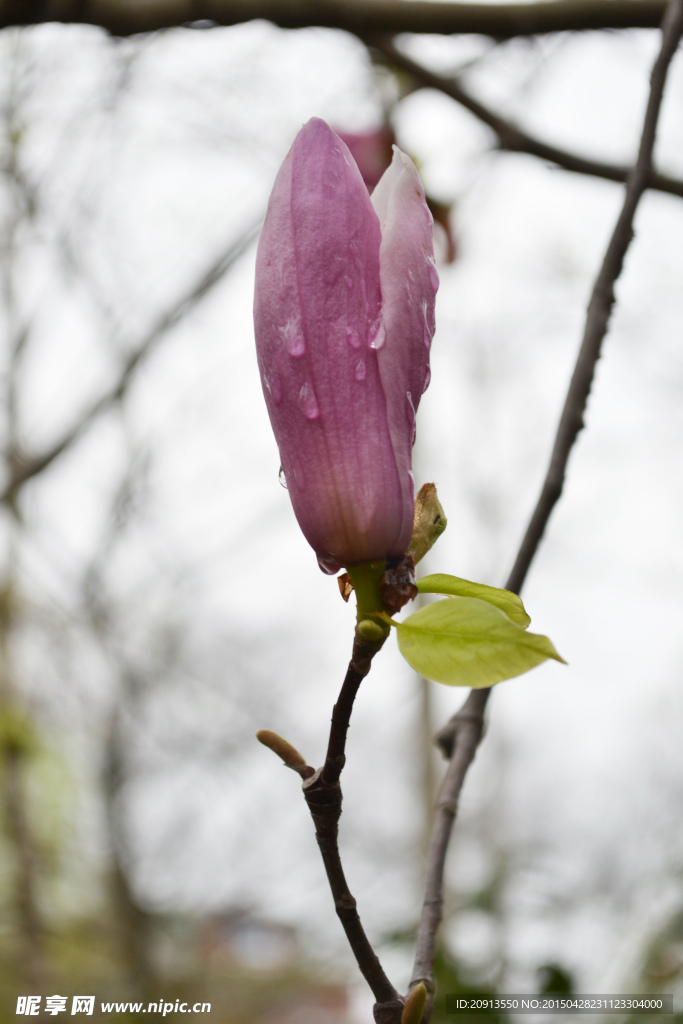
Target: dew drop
(281, 477)
(275, 389)
(410, 415)
(377, 336)
(433, 276)
(296, 346)
(353, 337)
(328, 564)
(295, 343)
(428, 377)
(428, 329)
(360, 371)
(410, 408)
(308, 402)
(348, 281)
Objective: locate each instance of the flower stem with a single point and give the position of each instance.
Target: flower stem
(372, 624)
(366, 578)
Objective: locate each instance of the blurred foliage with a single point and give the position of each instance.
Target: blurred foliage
(451, 980)
(554, 979)
(87, 957)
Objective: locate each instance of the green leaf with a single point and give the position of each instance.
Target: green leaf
(469, 642)
(453, 586)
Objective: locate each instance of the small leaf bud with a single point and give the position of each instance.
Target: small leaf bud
(415, 1005)
(370, 630)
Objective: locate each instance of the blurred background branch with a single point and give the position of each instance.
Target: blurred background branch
(512, 139)
(504, 21)
(26, 465)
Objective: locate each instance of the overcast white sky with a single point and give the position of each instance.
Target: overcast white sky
(577, 782)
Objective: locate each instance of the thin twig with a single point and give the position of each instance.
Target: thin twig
(500, 20)
(324, 798)
(512, 139)
(469, 730)
(26, 466)
(600, 305)
(460, 738)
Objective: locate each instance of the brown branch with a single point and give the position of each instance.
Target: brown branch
(324, 798)
(600, 305)
(460, 738)
(389, 590)
(501, 20)
(469, 725)
(512, 139)
(25, 466)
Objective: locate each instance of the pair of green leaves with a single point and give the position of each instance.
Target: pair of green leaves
(477, 638)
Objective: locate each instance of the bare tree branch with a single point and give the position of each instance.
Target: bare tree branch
(513, 139)
(460, 738)
(469, 731)
(26, 466)
(324, 798)
(501, 20)
(600, 305)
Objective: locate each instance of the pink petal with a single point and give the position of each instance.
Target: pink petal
(317, 304)
(409, 281)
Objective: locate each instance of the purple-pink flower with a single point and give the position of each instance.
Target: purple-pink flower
(344, 319)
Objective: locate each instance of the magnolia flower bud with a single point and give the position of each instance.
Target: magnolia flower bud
(344, 318)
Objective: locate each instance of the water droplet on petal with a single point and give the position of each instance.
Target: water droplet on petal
(296, 346)
(433, 275)
(428, 377)
(308, 402)
(348, 281)
(275, 389)
(428, 329)
(281, 477)
(377, 336)
(353, 337)
(295, 343)
(360, 371)
(410, 415)
(328, 564)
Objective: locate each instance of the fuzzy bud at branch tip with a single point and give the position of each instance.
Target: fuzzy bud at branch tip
(289, 754)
